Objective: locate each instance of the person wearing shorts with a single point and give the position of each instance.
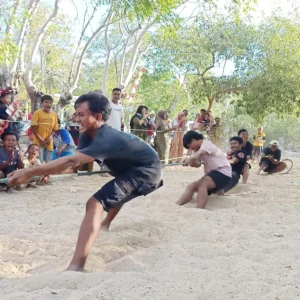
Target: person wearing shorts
(133, 163)
(216, 168)
(247, 148)
(259, 139)
(237, 160)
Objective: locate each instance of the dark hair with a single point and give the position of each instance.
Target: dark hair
(98, 104)
(30, 147)
(203, 109)
(189, 136)
(241, 131)
(238, 139)
(138, 111)
(7, 133)
(185, 110)
(46, 97)
(117, 89)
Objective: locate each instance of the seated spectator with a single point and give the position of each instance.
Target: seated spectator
(196, 123)
(10, 158)
(32, 161)
(63, 143)
(270, 162)
(32, 158)
(202, 115)
(73, 129)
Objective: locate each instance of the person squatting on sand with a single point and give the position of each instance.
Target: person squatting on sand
(133, 163)
(218, 173)
(270, 161)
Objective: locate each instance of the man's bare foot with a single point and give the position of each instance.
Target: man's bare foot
(74, 268)
(9, 190)
(104, 227)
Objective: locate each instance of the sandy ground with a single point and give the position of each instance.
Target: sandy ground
(243, 246)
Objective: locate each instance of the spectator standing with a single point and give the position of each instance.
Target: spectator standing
(162, 141)
(44, 122)
(115, 119)
(139, 123)
(5, 100)
(247, 148)
(176, 151)
(259, 139)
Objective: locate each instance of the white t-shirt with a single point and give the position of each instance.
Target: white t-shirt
(215, 159)
(27, 163)
(116, 116)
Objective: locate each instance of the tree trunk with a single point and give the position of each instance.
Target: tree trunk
(210, 102)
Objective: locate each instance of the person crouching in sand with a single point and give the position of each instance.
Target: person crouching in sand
(216, 167)
(133, 163)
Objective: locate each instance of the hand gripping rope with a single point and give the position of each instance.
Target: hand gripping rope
(73, 175)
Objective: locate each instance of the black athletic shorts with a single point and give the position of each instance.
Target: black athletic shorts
(123, 189)
(233, 182)
(257, 150)
(221, 181)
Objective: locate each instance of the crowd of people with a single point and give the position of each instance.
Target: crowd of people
(50, 141)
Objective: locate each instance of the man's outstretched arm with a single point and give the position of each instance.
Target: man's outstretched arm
(54, 167)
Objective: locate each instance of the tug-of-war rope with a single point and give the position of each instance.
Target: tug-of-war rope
(74, 175)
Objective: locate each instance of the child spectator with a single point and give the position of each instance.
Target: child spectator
(63, 142)
(44, 123)
(32, 160)
(10, 158)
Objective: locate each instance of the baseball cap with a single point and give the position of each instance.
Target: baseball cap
(274, 143)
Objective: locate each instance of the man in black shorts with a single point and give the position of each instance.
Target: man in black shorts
(237, 160)
(216, 168)
(247, 148)
(270, 162)
(133, 163)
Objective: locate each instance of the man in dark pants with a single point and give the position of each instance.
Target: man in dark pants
(247, 148)
(270, 162)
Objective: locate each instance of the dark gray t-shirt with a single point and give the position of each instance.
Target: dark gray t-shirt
(12, 165)
(123, 153)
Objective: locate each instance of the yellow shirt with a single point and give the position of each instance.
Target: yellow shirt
(46, 123)
(259, 139)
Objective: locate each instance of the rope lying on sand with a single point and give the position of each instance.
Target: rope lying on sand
(73, 175)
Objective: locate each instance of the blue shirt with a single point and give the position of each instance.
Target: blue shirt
(4, 157)
(64, 137)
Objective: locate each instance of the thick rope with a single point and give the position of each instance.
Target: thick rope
(73, 175)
